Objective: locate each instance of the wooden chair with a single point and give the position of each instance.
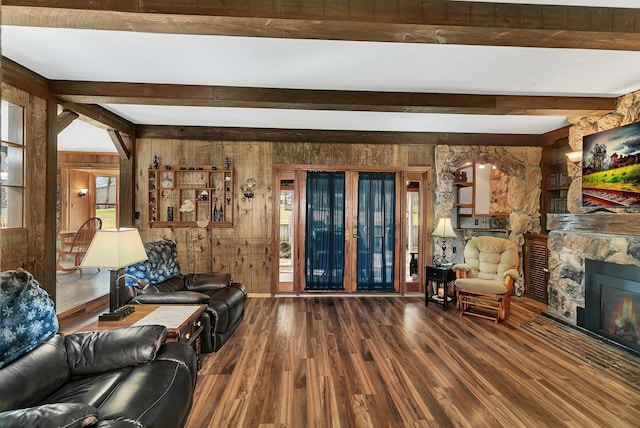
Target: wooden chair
(79, 244)
(485, 280)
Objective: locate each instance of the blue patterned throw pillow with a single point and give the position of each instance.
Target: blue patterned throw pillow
(162, 263)
(27, 315)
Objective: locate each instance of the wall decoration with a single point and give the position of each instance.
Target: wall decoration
(611, 167)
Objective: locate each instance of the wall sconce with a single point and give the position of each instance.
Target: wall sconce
(83, 192)
(249, 187)
(575, 157)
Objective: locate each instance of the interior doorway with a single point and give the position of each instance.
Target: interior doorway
(88, 173)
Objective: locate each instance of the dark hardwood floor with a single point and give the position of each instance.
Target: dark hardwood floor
(392, 362)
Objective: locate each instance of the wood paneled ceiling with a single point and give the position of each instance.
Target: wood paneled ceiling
(524, 63)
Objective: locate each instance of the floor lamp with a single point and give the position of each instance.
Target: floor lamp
(115, 249)
(443, 231)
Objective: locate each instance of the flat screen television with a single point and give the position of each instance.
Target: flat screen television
(611, 167)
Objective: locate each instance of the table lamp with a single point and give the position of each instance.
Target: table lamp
(115, 249)
(443, 231)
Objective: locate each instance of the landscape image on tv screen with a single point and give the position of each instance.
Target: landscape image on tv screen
(611, 167)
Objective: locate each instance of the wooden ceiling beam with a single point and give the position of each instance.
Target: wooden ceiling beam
(220, 96)
(101, 117)
(65, 118)
(21, 77)
(333, 137)
(120, 143)
(435, 21)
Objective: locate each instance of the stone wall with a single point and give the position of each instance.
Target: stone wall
(567, 252)
(522, 167)
(599, 241)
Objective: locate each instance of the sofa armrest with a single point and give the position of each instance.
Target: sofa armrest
(71, 415)
(181, 354)
(177, 297)
(461, 270)
(100, 351)
(203, 282)
(513, 273)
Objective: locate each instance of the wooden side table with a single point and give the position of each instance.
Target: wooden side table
(442, 276)
(183, 322)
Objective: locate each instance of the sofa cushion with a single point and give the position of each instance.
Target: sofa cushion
(481, 285)
(68, 415)
(28, 315)
(27, 381)
(162, 263)
(489, 257)
(91, 390)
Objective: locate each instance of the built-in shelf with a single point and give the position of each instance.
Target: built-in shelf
(190, 196)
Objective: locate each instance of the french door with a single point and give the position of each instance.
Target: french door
(344, 231)
(376, 232)
(324, 232)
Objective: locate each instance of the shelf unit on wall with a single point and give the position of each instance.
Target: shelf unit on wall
(205, 193)
(463, 189)
(555, 182)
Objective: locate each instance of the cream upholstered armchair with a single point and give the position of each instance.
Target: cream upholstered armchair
(484, 282)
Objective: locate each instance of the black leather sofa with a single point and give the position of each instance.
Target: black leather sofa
(225, 299)
(126, 377)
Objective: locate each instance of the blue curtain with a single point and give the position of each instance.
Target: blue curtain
(324, 243)
(376, 231)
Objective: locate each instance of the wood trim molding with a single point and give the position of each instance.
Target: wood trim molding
(436, 21)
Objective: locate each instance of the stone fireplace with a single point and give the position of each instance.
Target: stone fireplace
(599, 235)
(579, 246)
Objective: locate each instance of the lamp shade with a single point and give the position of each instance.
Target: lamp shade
(114, 249)
(444, 229)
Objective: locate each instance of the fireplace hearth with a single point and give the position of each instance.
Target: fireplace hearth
(612, 302)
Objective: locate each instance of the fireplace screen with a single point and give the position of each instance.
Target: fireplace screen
(612, 302)
(619, 313)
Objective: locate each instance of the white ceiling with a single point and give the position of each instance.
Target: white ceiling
(113, 56)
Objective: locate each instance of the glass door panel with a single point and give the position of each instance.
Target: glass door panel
(376, 232)
(286, 235)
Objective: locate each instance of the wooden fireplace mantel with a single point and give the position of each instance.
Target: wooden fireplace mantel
(610, 223)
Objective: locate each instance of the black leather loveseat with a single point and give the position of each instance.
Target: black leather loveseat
(126, 377)
(162, 283)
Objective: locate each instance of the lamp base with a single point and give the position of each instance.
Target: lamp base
(118, 314)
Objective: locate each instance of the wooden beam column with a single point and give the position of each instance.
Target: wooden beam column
(50, 189)
(126, 199)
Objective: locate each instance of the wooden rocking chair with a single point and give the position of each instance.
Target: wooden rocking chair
(79, 244)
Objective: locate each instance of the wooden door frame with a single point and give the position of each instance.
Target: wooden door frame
(299, 173)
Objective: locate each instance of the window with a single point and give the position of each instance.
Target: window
(107, 201)
(12, 157)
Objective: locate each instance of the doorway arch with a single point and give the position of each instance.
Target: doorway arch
(521, 164)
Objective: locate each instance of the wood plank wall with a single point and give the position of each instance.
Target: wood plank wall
(73, 174)
(245, 249)
(25, 247)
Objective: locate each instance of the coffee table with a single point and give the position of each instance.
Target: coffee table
(183, 322)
